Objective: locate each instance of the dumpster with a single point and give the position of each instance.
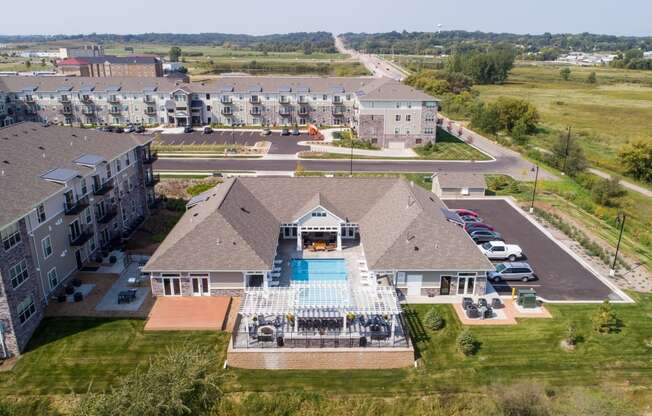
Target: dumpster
(527, 298)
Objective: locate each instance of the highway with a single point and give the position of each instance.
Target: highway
(379, 67)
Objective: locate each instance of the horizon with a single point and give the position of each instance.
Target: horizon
(257, 17)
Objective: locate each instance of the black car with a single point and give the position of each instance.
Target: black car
(140, 129)
(208, 130)
(188, 129)
(285, 132)
(118, 130)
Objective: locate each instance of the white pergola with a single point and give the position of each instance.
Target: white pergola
(320, 300)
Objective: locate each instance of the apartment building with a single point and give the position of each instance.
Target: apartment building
(386, 112)
(111, 66)
(83, 50)
(67, 195)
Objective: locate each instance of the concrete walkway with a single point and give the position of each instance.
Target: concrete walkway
(629, 185)
(381, 153)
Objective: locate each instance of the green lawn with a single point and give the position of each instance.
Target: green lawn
(449, 147)
(603, 116)
(74, 354)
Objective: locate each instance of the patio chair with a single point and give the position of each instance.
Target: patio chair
(278, 261)
(496, 303)
(466, 302)
(482, 302)
(488, 313)
(472, 312)
(274, 283)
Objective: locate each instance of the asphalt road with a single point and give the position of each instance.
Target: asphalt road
(287, 145)
(559, 275)
(377, 66)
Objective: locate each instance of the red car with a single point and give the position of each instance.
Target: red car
(462, 211)
(476, 225)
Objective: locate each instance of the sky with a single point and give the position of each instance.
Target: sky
(623, 17)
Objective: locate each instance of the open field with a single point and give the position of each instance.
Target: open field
(602, 116)
(72, 354)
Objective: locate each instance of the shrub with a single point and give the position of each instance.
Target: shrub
(605, 320)
(467, 344)
(637, 159)
(175, 204)
(199, 188)
(31, 406)
(571, 335)
(592, 78)
(179, 382)
(433, 319)
(523, 400)
(565, 73)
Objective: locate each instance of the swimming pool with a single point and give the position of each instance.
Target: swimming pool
(318, 270)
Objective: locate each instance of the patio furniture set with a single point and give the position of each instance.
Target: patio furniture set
(321, 246)
(127, 296)
(482, 309)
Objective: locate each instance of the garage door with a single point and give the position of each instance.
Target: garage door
(396, 145)
(414, 284)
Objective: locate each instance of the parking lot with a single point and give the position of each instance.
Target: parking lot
(559, 275)
(280, 144)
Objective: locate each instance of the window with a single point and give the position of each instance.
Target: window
(26, 309)
(428, 130)
(430, 117)
(408, 117)
(87, 215)
(208, 96)
(318, 214)
(46, 244)
(10, 236)
(418, 141)
(325, 97)
(84, 187)
(53, 279)
(18, 274)
(108, 171)
(40, 213)
(127, 159)
(398, 117)
(208, 108)
(397, 130)
(118, 165)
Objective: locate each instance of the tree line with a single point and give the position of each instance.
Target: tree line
(288, 42)
(446, 42)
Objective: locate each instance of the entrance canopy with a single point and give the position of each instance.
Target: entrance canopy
(317, 299)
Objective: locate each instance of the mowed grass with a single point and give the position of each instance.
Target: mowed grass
(70, 355)
(74, 354)
(603, 116)
(449, 147)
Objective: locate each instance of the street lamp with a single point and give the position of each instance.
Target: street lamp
(621, 219)
(534, 191)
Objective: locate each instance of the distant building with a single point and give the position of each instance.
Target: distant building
(81, 51)
(458, 184)
(172, 67)
(586, 59)
(112, 66)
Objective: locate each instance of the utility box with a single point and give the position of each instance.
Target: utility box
(527, 298)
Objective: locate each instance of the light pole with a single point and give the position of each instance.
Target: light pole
(621, 218)
(534, 191)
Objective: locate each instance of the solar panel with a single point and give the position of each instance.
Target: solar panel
(60, 175)
(89, 160)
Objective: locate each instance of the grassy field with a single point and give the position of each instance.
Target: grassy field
(602, 116)
(449, 147)
(72, 354)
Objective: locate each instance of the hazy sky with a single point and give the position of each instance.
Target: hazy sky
(622, 17)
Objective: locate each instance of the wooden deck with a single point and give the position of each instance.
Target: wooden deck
(188, 313)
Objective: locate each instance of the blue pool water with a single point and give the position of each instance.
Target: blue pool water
(318, 270)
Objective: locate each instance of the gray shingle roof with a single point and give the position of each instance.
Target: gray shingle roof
(460, 180)
(237, 227)
(29, 150)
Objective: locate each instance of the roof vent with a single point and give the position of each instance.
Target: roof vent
(73, 135)
(6, 162)
(243, 209)
(41, 148)
(416, 248)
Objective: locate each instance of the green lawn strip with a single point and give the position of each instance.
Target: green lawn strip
(74, 354)
(527, 352)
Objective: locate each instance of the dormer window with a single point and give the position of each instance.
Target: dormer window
(318, 214)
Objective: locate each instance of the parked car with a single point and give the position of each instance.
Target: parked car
(118, 130)
(140, 128)
(512, 271)
(207, 130)
(471, 226)
(483, 236)
(285, 132)
(265, 132)
(130, 129)
(295, 132)
(470, 219)
(462, 211)
(188, 129)
(498, 250)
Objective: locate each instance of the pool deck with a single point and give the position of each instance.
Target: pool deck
(351, 252)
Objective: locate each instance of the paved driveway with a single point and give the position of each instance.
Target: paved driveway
(286, 145)
(559, 275)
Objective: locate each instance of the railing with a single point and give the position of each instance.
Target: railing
(66, 110)
(64, 99)
(304, 111)
(338, 110)
(255, 112)
(303, 100)
(227, 111)
(113, 99)
(284, 111)
(87, 110)
(152, 180)
(149, 100)
(284, 100)
(75, 207)
(79, 239)
(107, 216)
(254, 100)
(151, 158)
(226, 100)
(103, 188)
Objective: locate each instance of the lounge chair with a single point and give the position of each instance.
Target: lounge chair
(496, 303)
(278, 261)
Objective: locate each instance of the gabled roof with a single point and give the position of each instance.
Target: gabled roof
(236, 225)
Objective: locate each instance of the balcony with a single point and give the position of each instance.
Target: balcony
(226, 100)
(227, 111)
(64, 99)
(29, 99)
(150, 110)
(87, 99)
(284, 100)
(113, 99)
(108, 215)
(149, 100)
(338, 110)
(254, 100)
(284, 112)
(255, 111)
(337, 100)
(88, 110)
(79, 239)
(151, 158)
(115, 110)
(304, 111)
(75, 207)
(103, 188)
(66, 110)
(303, 100)
(151, 180)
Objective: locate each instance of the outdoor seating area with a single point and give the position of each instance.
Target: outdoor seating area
(482, 309)
(127, 296)
(320, 246)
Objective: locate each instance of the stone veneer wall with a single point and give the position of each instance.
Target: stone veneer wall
(320, 359)
(16, 334)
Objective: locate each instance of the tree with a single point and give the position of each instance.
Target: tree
(605, 320)
(592, 78)
(519, 132)
(433, 319)
(605, 190)
(565, 73)
(28, 64)
(485, 117)
(511, 110)
(467, 344)
(568, 156)
(174, 54)
(571, 335)
(636, 158)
